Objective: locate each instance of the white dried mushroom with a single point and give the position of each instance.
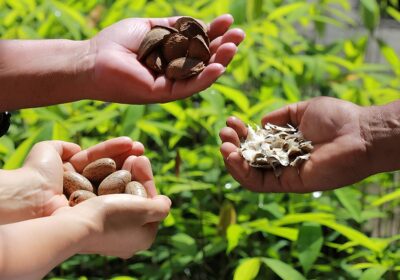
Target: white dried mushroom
(275, 146)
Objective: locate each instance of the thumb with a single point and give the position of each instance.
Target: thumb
(290, 114)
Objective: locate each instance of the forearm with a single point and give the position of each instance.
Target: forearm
(20, 195)
(30, 249)
(43, 72)
(382, 133)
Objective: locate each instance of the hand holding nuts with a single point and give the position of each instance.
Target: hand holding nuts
(99, 177)
(180, 52)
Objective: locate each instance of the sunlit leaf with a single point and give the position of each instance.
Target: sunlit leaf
(247, 269)
(283, 270)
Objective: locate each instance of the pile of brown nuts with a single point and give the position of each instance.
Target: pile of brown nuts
(180, 52)
(100, 177)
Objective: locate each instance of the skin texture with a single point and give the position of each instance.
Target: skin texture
(350, 143)
(100, 225)
(103, 68)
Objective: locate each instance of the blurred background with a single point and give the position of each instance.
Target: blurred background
(294, 50)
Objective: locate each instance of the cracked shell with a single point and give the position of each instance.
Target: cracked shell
(175, 46)
(190, 27)
(199, 49)
(155, 61)
(152, 39)
(183, 68)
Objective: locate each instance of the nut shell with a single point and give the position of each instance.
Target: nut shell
(199, 49)
(136, 188)
(175, 46)
(155, 61)
(99, 169)
(73, 181)
(190, 27)
(183, 68)
(79, 196)
(114, 183)
(152, 39)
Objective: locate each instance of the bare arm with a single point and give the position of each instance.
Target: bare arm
(43, 72)
(115, 225)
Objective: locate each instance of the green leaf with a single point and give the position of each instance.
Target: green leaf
(227, 216)
(264, 226)
(390, 55)
(386, 198)
(235, 95)
(285, 10)
(18, 157)
(370, 14)
(194, 186)
(184, 243)
(248, 269)
(346, 197)
(132, 114)
(373, 273)
(233, 235)
(283, 270)
(309, 244)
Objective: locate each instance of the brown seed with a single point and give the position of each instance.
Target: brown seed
(183, 68)
(136, 188)
(175, 46)
(114, 183)
(79, 196)
(152, 39)
(155, 61)
(73, 181)
(99, 169)
(190, 27)
(199, 49)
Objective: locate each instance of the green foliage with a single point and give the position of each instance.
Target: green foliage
(216, 229)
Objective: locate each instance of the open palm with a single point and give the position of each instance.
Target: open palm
(339, 156)
(120, 77)
(47, 160)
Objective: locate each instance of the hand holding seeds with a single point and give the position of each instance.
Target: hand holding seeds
(159, 60)
(337, 158)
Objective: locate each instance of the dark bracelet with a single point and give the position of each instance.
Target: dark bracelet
(4, 122)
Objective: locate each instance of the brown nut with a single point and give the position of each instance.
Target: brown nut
(199, 49)
(114, 183)
(183, 68)
(155, 61)
(136, 188)
(152, 39)
(175, 46)
(99, 169)
(73, 181)
(79, 196)
(190, 27)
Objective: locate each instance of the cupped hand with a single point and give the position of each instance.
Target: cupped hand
(339, 156)
(119, 76)
(47, 161)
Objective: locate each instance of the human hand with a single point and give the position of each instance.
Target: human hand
(120, 224)
(118, 76)
(339, 156)
(47, 161)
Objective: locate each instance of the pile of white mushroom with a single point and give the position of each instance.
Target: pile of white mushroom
(275, 146)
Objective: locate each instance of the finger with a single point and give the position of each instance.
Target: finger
(224, 54)
(183, 89)
(110, 148)
(228, 134)
(142, 172)
(170, 21)
(254, 179)
(234, 36)
(127, 165)
(227, 148)
(290, 114)
(67, 166)
(136, 150)
(44, 149)
(157, 208)
(238, 126)
(219, 26)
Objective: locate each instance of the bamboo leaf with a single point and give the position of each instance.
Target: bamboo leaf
(283, 270)
(248, 269)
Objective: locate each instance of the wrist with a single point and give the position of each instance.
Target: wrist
(380, 126)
